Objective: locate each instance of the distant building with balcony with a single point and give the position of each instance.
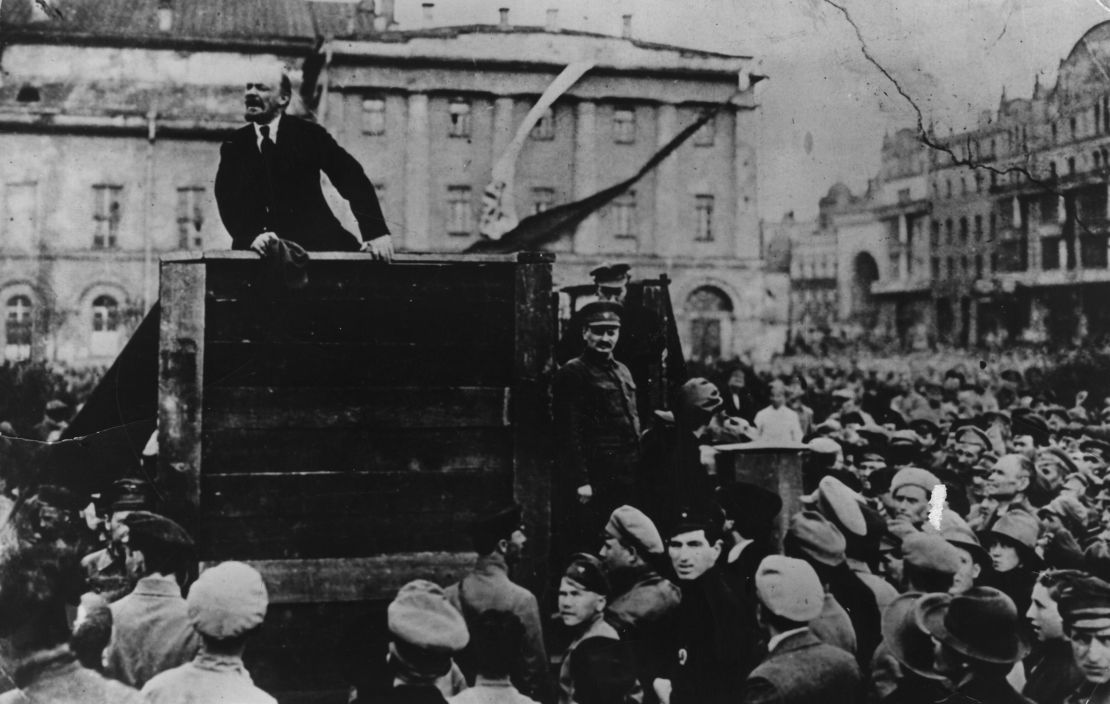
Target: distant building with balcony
(999, 235)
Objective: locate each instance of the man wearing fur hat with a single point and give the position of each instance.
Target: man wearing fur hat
(799, 667)
(227, 604)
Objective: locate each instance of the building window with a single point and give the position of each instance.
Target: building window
(934, 233)
(948, 188)
(1054, 132)
(105, 314)
(624, 126)
(190, 217)
(1071, 165)
(17, 328)
(948, 231)
(963, 230)
(460, 211)
(1052, 169)
(963, 186)
(106, 215)
(19, 215)
(978, 266)
(994, 225)
(904, 195)
(1071, 124)
(624, 216)
(934, 265)
(951, 267)
(459, 112)
(105, 338)
(703, 211)
(542, 199)
(706, 134)
(1096, 159)
(373, 116)
(978, 182)
(710, 313)
(544, 129)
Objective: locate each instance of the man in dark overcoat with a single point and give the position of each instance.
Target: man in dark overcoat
(268, 183)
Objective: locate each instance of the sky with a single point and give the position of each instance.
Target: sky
(825, 109)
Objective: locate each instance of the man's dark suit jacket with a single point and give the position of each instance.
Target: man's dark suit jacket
(290, 202)
(803, 670)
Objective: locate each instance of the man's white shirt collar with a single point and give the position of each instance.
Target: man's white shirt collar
(273, 131)
(773, 642)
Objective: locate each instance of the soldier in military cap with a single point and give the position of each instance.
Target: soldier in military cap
(1085, 610)
(597, 428)
(583, 595)
(612, 281)
(499, 540)
(105, 569)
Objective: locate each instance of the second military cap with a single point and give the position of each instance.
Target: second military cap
(602, 313)
(587, 572)
(615, 274)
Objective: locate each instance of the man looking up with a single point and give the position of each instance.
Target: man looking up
(268, 182)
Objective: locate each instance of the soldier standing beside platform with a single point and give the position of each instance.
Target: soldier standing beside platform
(597, 428)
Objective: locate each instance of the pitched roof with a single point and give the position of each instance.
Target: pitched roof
(263, 22)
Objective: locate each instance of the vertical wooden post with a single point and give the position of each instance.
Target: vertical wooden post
(531, 409)
(180, 386)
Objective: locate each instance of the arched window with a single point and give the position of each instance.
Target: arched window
(710, 313)
(17, 328)
(105, 338)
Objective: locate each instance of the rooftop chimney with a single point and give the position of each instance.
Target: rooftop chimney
(553, 20)
(429, 16)
(165, 15)
(626, 26)
(504, 17)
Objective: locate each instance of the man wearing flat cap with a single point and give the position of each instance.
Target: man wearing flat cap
(151, 630)
(643, 604)
(425, 632)
(798, 667)
(1085, 610)
(583, 594)
(717, 641)
(227, 604)
(499, 540)
(597, 427)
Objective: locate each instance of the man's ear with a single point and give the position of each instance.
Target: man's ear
(503, 546)
(717, 547)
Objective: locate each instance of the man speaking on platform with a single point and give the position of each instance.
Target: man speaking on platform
(268, 184)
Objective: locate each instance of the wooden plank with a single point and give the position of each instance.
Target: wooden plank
(231, 451)
(180, 385)
(346, 279)
(399, 259)
(531, 413)
(337, 495)
(343, 536)
(356, 578)
(343, 407)
(351, 365)
(450, 319)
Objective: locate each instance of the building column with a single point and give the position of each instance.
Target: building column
(503, 127)
(903, 269)
(417, 176)
(666, 240)
(746, 239)
(973, 322)
(585, 174)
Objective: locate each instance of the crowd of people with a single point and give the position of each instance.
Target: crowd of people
(949, 544)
